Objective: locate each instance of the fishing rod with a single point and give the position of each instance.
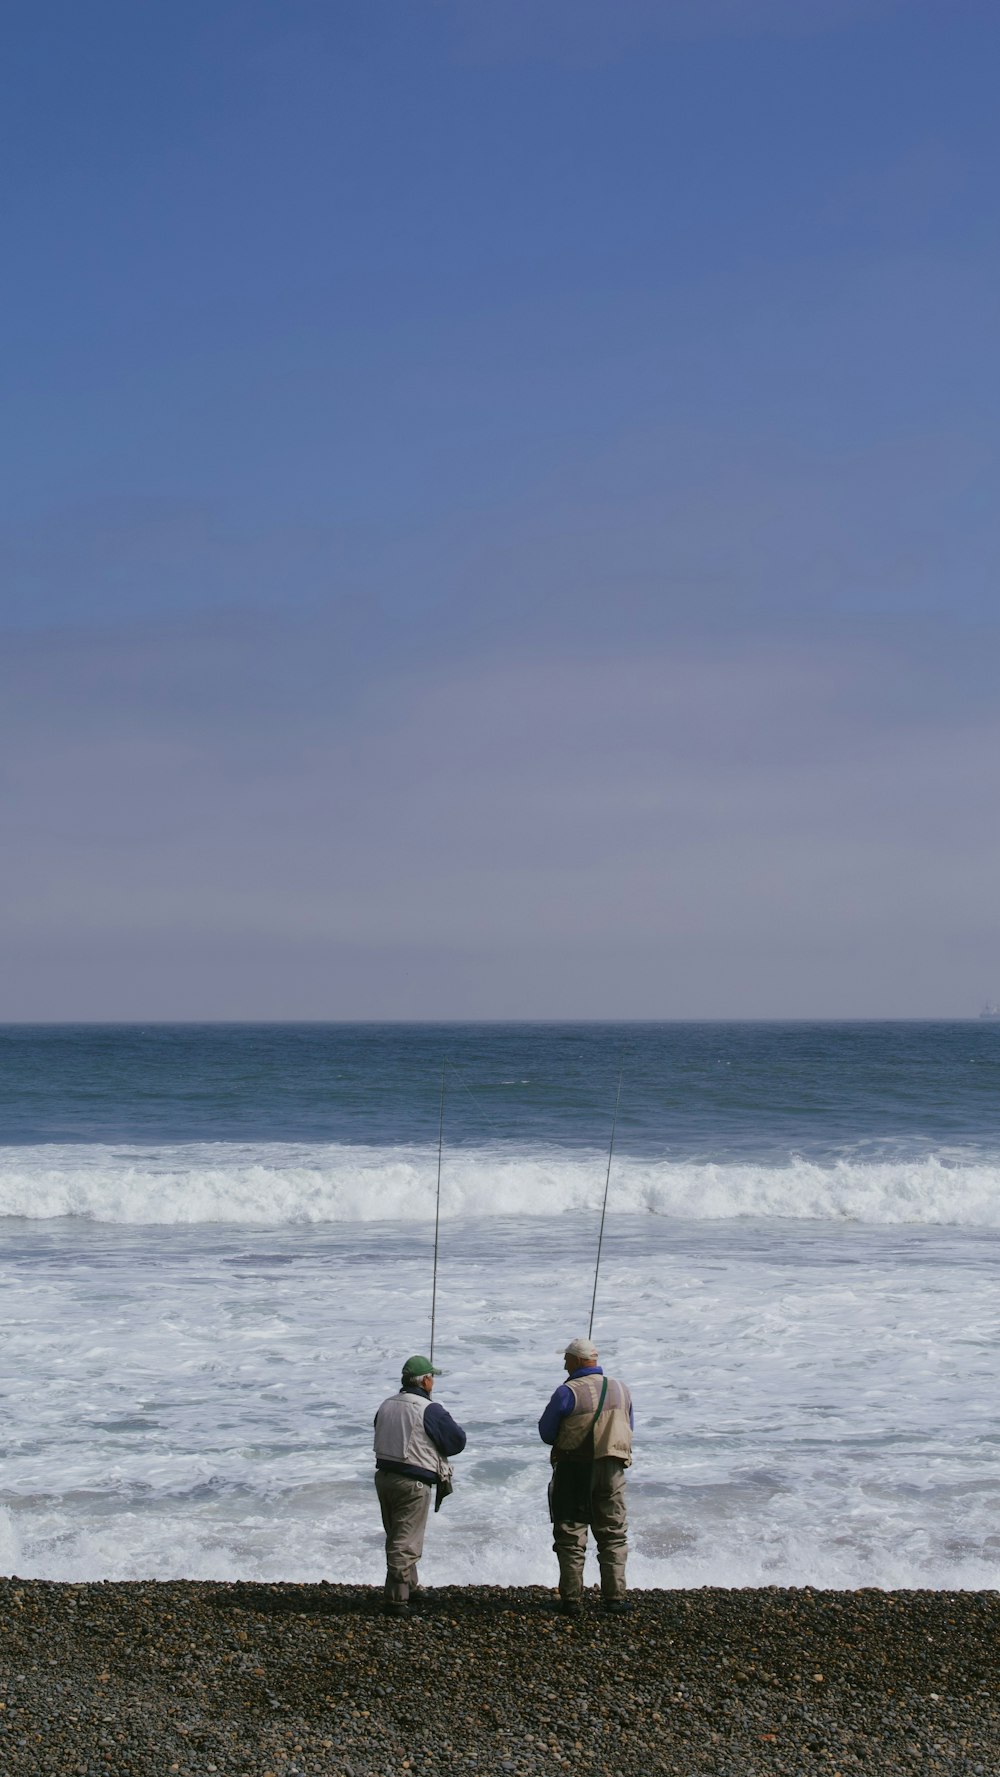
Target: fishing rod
(604, 1206)
(437, 1205)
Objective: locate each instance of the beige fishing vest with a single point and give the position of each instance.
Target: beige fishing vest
(612, 1432)
(400, 1434)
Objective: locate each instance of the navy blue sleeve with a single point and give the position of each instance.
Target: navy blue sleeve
(562, 1402)
(443, 1431)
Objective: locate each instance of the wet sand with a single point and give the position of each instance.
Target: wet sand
(182, 1677)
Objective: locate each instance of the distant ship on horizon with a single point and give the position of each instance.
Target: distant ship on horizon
(990, 1010)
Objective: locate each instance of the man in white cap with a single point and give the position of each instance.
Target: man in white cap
(414, 1437)
(589, 1423)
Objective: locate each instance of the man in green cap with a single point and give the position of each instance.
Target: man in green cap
(414, 1437)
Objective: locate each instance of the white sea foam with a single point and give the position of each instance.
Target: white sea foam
(275, 1184)
(814, 1404)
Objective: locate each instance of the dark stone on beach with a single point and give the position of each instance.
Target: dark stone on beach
(174, 1679)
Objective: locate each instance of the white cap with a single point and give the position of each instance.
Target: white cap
(584, 1349)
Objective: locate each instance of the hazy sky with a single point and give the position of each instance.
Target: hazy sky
(498, 508)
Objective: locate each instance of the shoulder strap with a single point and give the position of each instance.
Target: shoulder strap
(600, 1404)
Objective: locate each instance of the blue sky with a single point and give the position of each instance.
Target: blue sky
(497, 511)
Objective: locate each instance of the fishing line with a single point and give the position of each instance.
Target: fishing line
(446, 1067)
(437, 1205)
(604, 1206)
(481, 1108)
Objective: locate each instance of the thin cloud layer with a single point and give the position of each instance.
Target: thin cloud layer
(539, 827)
(498, 510)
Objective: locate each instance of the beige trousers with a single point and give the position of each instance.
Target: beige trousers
(405, 1505)
(609, 1524)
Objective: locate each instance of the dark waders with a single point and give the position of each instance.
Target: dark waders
(572, 1485)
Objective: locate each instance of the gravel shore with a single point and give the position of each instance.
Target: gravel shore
(245, 1680)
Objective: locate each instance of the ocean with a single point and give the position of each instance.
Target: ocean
(216, 1248)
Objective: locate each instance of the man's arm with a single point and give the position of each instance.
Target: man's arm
(443, 1431)
(562, 1402)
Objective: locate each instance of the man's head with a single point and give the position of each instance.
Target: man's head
(419, 1372)
(580, 1354)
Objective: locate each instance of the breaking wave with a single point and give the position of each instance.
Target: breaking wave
(280, 1183)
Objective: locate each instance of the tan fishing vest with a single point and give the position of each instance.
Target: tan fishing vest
(612, 1432)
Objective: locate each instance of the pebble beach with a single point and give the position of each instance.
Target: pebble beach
(170, 1679)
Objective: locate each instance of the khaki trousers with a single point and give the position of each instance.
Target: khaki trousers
(405, 1505)
(608, 1522)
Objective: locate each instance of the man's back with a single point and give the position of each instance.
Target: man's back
(588, 1425)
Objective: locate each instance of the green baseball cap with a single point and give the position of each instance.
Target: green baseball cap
(415, 1367)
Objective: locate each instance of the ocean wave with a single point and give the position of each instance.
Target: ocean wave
(281, 1183)
(169, 1541)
